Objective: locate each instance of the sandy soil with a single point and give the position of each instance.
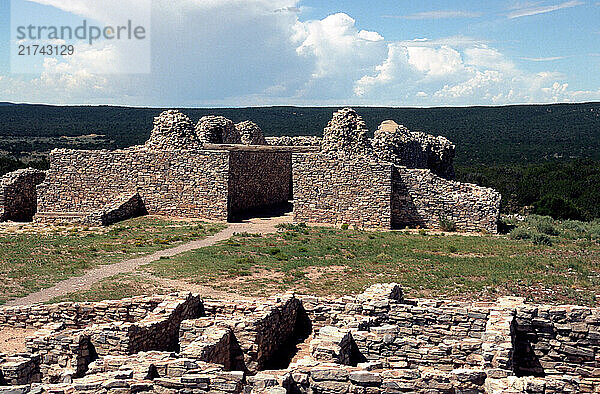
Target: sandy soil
(12, 340)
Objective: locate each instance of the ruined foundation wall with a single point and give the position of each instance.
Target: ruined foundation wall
(258, 179)
(79, 314)
(18, 197)
(421, 198)
(331, 191)
(557, 340)
(178, 183)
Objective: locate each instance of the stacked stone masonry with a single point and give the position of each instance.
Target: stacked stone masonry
(375, 342)
(380, 195)
(18, 197)
(218, 170)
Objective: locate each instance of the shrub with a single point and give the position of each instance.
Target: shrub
(422, 232)
(447, 224)
(345, 226)
(452, 249)
(541, 239)
(557, 207)
(520, 233)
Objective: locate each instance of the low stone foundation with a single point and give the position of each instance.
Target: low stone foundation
(375, 342)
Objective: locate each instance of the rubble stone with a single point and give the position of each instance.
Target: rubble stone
(250, 133)
(217, 130)
(172, 131)
(346, 135)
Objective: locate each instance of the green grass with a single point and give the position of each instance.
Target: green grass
(32, 261)
(328, 261)
(115, 288)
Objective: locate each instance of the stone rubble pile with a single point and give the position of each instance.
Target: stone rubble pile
(375, 342)
(398, 145)
(346, 135)
(250, 133)
(172, 130)
(217, 130)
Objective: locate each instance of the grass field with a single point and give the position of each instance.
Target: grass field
(36, 257)
(542, 259)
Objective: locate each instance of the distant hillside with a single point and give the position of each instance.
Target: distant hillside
(483, 135)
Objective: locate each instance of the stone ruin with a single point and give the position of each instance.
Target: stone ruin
(172, 130)
(221, 171)
(250, 133)
(374, 342)
(217, 130)
(346, 135)
(18, 194)
(396, 144)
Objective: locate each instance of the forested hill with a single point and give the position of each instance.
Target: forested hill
(483, 135)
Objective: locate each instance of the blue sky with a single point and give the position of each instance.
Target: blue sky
(289, 52)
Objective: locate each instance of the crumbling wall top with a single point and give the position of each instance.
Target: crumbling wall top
(346, 135)
(172, 130)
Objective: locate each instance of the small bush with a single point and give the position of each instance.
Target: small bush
(541, 239)
(447, 224)
(274, 251)
(452, 249)
(520, 233)
(345, 226)
(422, 232)
(557, 207)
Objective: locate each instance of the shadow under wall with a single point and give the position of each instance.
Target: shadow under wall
(269, 211)
(404, 210)
(525, 361)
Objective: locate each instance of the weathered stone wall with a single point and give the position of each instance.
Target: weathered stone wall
(79, 314)
(421, 198)
(378, 195)
(175, 183)
(18, 197)
(330, 191)
(258, 179)
(302, 140)
(100, 187)
(396, 144)
(557, 340)
(375, 342)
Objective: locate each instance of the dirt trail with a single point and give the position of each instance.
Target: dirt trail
(256, 225)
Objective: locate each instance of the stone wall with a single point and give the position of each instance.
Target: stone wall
(258, 179)
(557, 340)
(375, 342)
(370, 194)
(175, 183)
(421, 198)
(312, 141)
(18, 197)
(330, 191)
(396, 144)
(79, 314)
(99, 187)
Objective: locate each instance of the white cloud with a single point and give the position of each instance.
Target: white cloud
(449, 14)
(258, 52)
(544, 59)
(536, 9)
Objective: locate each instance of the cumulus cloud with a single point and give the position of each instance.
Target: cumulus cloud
(259, 52)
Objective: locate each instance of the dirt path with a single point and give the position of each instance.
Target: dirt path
(258, 225)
